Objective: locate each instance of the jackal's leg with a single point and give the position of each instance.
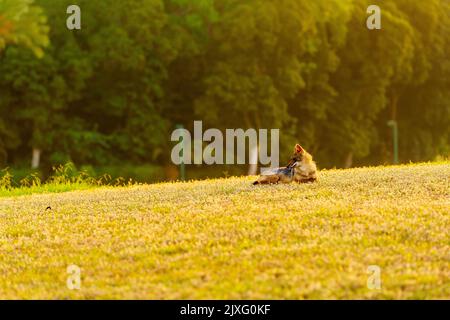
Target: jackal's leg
(267, 179)
(307, 179)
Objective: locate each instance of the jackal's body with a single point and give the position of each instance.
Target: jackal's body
(276, 175)
(300, 169)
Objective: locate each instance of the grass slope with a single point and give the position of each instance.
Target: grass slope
(227, 239)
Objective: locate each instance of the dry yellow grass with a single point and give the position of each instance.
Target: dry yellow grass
(227, 239)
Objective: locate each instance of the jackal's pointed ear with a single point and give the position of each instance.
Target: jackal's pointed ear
(298, 148)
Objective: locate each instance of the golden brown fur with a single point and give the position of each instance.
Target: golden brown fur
(301, 168)
(305, 170)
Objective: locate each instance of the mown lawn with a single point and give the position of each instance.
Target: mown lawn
(227, 239)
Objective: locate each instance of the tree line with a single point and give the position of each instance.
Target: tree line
(113, 91)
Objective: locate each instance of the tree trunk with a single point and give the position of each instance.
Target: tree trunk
(349, 160)
(253, 159)
(36, 158)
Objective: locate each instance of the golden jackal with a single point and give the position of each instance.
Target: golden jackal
(301, 168)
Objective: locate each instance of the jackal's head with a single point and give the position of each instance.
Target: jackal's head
(300, 156)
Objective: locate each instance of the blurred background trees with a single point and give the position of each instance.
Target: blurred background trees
(23, 24)
(111, 93)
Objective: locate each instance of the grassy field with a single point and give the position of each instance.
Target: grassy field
(227, 239)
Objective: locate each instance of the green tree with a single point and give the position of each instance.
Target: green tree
(259, 58)
(24, 24)
(311, 106)
(369, 61)
(130, 46)
(422, 106)
(40, 90)
(112, 91)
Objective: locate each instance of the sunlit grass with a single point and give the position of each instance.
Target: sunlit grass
(228, 239)
(64, 178)
(46, 188)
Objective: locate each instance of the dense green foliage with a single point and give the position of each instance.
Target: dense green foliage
(113, 91)
(24, 24)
